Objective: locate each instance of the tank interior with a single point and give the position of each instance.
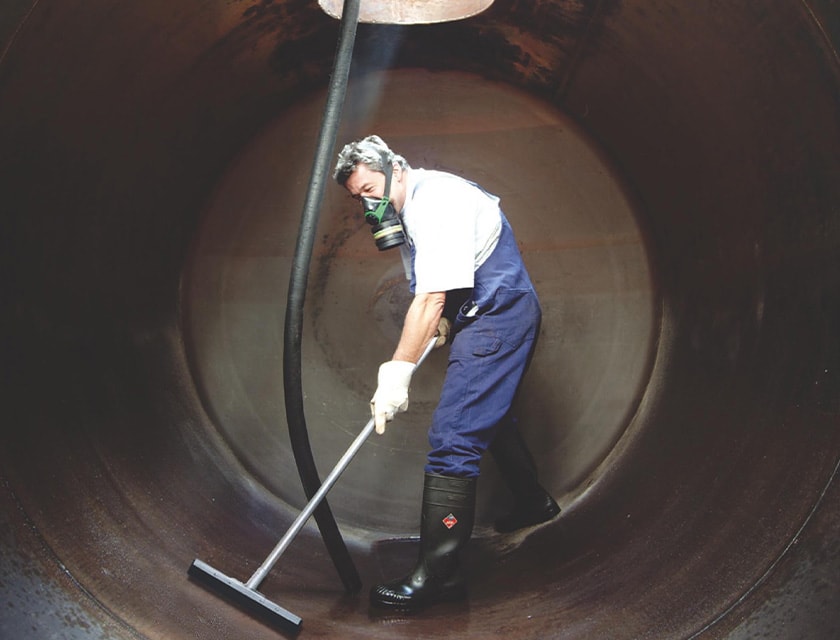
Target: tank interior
(672, 173)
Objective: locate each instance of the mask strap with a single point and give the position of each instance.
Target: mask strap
(385, 166)
(382, 206)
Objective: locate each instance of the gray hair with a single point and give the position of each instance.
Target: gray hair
(371, 151)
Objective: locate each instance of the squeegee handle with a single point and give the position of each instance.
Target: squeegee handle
(325, 487)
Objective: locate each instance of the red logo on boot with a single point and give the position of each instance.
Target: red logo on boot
(450, 521)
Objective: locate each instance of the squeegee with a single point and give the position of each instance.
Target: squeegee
(246, 594)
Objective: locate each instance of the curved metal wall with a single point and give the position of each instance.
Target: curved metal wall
(710, 504)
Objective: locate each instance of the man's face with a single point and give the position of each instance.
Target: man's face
(365, 183)
(369, 188)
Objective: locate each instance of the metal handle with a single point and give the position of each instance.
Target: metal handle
(330, 480)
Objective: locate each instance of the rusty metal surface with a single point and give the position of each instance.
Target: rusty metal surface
(682, 159)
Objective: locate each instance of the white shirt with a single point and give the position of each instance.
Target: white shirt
(453, 224)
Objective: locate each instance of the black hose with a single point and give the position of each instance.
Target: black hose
(292, 381)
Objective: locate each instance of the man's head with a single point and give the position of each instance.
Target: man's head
(375, 176)
(371, 152)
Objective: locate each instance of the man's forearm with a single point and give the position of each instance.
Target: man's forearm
(420, 325)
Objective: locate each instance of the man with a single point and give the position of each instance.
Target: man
(466, 272)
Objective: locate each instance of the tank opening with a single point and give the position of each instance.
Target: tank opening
(410, 11)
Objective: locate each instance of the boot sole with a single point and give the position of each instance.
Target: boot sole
(408, 605)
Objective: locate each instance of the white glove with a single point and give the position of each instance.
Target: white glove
(391, 393)
(444, 327)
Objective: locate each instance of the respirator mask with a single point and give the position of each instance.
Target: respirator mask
(381, 215)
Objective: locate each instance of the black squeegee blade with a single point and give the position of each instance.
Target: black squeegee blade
(248, 599)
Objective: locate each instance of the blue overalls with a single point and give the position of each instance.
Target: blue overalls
(494, 336)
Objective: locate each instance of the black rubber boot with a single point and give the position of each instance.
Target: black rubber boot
(445, 527)
(532, 503)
